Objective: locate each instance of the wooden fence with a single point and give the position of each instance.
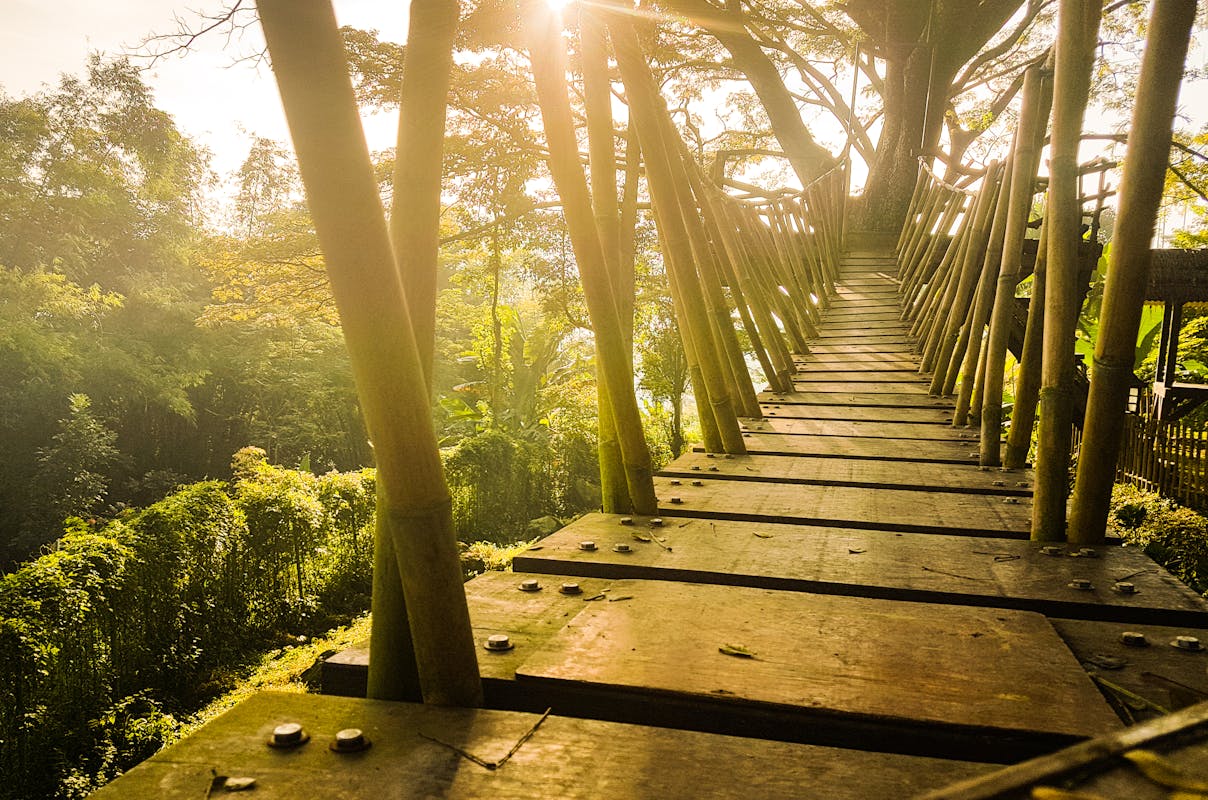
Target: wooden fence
(1170, 458)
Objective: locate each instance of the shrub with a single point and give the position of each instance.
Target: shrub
(1174, 536)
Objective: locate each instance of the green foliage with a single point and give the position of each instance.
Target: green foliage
(120, 628)
(1174, 536)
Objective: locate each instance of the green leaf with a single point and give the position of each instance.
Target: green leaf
(736, 650)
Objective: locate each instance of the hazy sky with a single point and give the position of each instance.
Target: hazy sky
(215, 101)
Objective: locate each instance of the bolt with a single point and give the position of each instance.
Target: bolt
(288, 734)
(350, 740)
(621, 547)
(698, 483)
(1188, 643)
(675, 501)
(715, 468)
(1088, 552)
(498, 642)
(675, 483)
(998, 483)
(710, 455)
(530, 585)
(1125, 587)
(1011, 501)
(1052, 550)
(1134, 639)
(626, 520)
(1081, 583)
(656, 522)
(588, 545)
(570, 588)
(976, 455)
(1022, 484)
(697, 467)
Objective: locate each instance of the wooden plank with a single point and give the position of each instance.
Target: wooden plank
(858, 399)
(805, 384)
(905, 666)
(840, 365)
(849, 337)
(1166, 677)
(911, 450)
(1095, 769)
(841, 348)
(806, 471)
(875, 327)
(845, 315)
(876, 430)
(582, 758)
(930, 416)
(824, 372)
(858, 360)
(908, 510)
(955, 570)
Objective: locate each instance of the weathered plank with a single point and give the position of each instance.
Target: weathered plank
(872, 327)
(807, 371)
(956, 570)
(911, 668)
(1095, 769)
(582, 758)
(876, 430)
(859, 360)
(803, 470)
(818, 347)
(838, 316)
(909, 510)
(804, 383)
(1164, 677)
(858, 399)
(861, 447)
(905, 365)
(929, 416)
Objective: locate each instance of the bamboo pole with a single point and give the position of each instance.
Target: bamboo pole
(984, 299)
(1027, 378)
(597, 101)
(1077, 34)
(1128, 265)
(1029, 134)
(414, 234)
(547, 50)
(413, 500)
(645, 106)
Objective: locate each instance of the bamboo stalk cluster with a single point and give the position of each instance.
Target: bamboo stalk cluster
(961, 261)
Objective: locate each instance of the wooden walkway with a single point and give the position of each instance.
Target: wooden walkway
(855, 589)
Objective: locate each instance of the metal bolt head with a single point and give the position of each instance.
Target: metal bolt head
(288, 734)
(626, 520)
(710, 455)
(1022, 484)
(1052, 550)
(530, 585)
(349, 740)
(1081, 583)
(697, 467)
(714, 469)
(656, 522)
(1125, 587)
(698, 483)
(675, 482)
(570, 588)
(675, 501)
(622, 547)
(1088, 552)
(998, 483)
(1133, 639)
(977, 455)
(1188, 643)
(587, 545)
(498, 642)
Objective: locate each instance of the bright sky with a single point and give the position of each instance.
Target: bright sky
(218, 103)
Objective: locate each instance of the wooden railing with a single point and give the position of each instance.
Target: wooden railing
(1170, 458)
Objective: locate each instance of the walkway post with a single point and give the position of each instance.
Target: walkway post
(1077, 35)
(413, 501)
(1128, 265)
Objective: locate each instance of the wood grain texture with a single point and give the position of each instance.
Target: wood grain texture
(804, 470)
(975, 669)
(956, 570)
(582, 758)
(916, 511)
(878, 430)
(857, 399)
(861, 447)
